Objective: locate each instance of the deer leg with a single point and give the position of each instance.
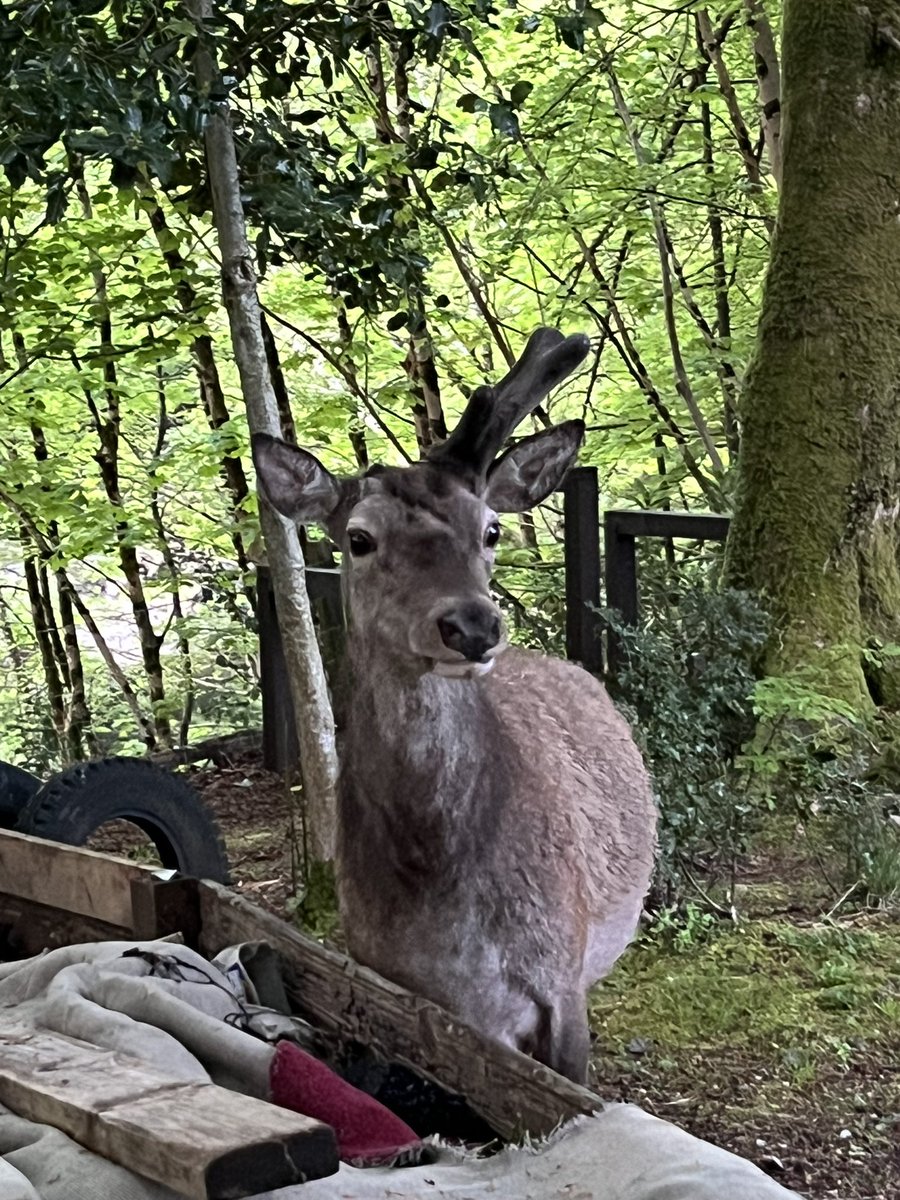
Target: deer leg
(564, 1040)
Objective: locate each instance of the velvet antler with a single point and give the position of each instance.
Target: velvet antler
(494, 412)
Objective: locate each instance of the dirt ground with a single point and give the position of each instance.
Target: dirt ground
(780, 1041)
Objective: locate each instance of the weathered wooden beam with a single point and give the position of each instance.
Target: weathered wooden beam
(200, 1140)
(621, 528)
(620, 554)
(68, 877)
(28, 928)
(512, 1092)
(165, 906)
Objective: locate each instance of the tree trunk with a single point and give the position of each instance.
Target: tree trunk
(768, 74)
(211, 395)
(108, 427)
(816, 522)
(419, 363)
(315, 722)
(78, 717)
(42, 621)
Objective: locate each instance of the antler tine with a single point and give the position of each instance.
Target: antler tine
(494, 412)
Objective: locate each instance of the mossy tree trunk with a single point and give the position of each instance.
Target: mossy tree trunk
(817, 511)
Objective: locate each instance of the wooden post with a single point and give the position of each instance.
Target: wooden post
(621, 583)
(280, 746)
(582, 557)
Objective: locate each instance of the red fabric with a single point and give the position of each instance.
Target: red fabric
(368, 1134)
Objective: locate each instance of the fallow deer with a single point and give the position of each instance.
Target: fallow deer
(495, 820)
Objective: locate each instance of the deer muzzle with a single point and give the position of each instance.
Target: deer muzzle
(472, 629)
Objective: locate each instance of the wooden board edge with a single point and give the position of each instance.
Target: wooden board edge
(68, 877)
(198, 1139)
(512, 1092)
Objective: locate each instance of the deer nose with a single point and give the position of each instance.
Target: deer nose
(471, 628)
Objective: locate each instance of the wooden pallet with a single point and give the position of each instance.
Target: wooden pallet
(53, 895)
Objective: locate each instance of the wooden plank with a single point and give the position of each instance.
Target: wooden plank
(200, 1140)
(165, 906)
(512, 1092)
(68, 877)
(28, 928)
(621, 586)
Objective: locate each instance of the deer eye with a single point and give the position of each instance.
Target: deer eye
(492, 534)
(361, 543)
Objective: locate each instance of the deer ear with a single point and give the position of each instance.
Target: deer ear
(294, 481)
(532, 469)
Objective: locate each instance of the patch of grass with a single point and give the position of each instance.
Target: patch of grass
(799, 994)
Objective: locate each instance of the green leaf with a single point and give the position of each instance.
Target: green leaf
(503, 119)
(520, 92)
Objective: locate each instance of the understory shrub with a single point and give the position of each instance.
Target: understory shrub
(727, 749)
(687, 683)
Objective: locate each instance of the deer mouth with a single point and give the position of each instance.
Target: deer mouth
(462, 669)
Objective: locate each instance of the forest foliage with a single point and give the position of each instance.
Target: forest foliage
(425, 183)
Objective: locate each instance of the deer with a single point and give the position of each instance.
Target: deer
(495, 820)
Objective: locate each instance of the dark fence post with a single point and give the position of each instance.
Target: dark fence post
(280, 750)
(581, 502)
(621, 583)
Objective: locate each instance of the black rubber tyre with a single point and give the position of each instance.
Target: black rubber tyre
(73, 805)
(16, 789)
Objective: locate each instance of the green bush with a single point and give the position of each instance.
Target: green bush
(687, 682)
(727, 749)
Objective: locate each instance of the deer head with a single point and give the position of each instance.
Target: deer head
(418, 542)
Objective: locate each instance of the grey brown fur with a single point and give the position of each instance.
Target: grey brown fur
(495, 827)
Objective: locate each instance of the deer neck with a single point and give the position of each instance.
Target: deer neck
(424, 729)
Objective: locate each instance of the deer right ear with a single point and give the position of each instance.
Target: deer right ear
(294, 481)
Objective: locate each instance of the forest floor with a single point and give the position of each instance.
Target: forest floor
(777, 1037)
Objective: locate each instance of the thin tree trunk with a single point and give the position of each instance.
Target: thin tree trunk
(144, 723)
(184, 645)
(211, 393)
(315, 721)
(79, 730)
(107, 427)
(682, 383)
(69, 672)
(419, 363)
(712, 47)
(279, 386)
(41, 622)
(768, 75)
(727, 375)
(817, 515)
(30, 530)
(357, 431)
(78, 716)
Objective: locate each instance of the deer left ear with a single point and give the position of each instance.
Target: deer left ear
(294, 481)
(527, 474)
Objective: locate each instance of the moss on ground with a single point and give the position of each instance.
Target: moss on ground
(778, 1040)
(763, 981)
